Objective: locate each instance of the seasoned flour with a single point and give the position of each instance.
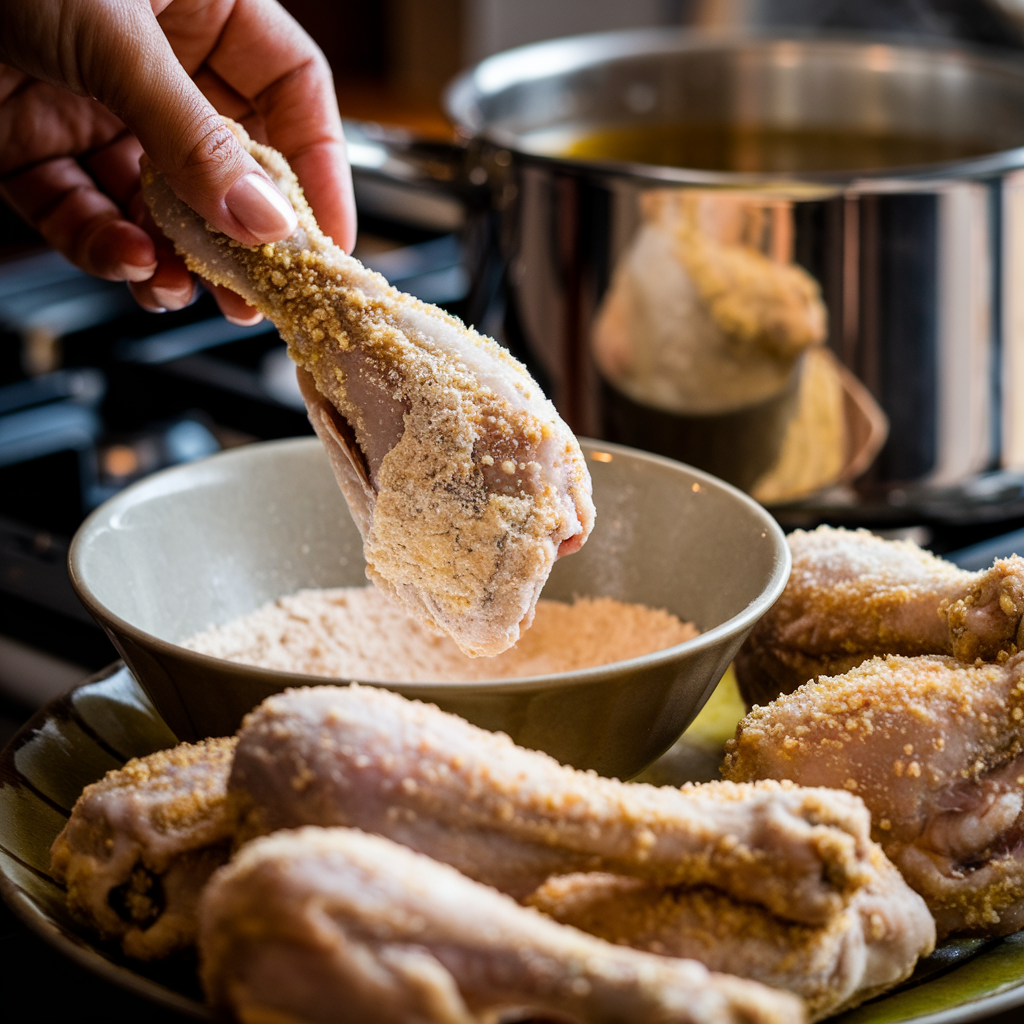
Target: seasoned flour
(357, 633)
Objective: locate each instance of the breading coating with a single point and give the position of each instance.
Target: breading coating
(509, 817)
(327, 925)
(465, 483)
(860, 952)
(142, 842)
(935, 748)
(852, 596)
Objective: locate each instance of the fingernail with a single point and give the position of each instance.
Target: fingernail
(244, 321)
(172, 298)
(136, 272)
(261, 208)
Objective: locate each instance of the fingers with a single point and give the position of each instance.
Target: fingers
(115, 167)
(323, 172)
(63, 203)
(171, 286)
(234, 307)
(263, 68)
(178, 127)
(292, 89)
(222, 96)
(231, 104)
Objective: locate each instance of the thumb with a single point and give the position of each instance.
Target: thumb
(182, 134)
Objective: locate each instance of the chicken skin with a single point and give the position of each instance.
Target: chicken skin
(463, 480)
(852, 596)
(333, 925)
(860, 952)
(934, 748)
(142, 842)
(509, 817)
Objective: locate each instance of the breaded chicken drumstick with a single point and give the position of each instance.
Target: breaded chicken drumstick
(327, 925)
(463, 480)
(509, 817)
(852, 596)
(935, 748)
(509, 839)
(867, 948)
(142, 842)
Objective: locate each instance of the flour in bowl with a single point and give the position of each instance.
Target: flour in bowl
(357, 633)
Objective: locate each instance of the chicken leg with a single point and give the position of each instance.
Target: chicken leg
(333, 925)
(852, 596)
(870, 946)
(510, 817)
(141, 843)
(463, 480)
(936, 750)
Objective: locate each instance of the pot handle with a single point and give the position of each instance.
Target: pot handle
(388, 161)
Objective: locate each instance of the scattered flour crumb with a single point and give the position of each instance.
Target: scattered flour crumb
(357, 633)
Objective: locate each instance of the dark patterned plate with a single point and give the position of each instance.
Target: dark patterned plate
(71, 742)
(108, 719)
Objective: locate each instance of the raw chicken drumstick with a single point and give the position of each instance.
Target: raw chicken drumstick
(463, 480)
(936, 750)
(170, 812)
(327, 925)
(852, 596)
(865, 949)
(510, 817)
(141, 843)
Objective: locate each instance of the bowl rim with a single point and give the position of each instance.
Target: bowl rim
(742, 620)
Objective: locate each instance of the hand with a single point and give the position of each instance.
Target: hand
(90, 84)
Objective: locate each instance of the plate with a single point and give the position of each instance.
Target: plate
(108, 719)
(69, 743)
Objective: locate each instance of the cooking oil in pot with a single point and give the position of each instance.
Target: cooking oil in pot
(760, 149)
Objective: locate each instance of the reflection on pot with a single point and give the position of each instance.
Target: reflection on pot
(710, 343)
(813, 451)
(698, 318)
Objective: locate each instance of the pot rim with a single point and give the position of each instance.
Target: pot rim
(559, 56)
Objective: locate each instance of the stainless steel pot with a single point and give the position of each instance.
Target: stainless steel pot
(860, 352)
